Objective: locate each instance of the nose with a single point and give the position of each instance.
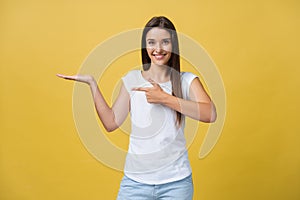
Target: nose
(158, 47)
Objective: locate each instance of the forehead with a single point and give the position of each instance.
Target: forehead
(157, 33)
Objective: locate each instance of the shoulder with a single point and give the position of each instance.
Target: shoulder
(131, 79)
(187, 77)
(132, 73)
(186, 81)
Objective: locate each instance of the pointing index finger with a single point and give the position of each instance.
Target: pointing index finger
(66, 77)
(152, 82)
(143, 89)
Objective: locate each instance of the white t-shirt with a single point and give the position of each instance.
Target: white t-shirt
(157, 149)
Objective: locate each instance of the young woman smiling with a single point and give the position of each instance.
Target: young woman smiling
(158, 99)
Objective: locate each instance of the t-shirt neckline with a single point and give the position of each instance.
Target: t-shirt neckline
(143, 78)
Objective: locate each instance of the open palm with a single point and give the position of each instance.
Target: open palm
(81, 78)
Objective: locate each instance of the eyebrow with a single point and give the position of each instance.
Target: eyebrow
(162, 39)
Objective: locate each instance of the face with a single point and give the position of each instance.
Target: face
(159, 46)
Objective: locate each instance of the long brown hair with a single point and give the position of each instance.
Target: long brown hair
(174, 61)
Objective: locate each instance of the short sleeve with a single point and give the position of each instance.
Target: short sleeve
(186, 81)
(130, 80)
(126, 81)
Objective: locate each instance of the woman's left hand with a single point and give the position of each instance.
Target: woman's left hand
(153, 94)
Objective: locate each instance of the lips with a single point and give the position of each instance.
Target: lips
(159, 56)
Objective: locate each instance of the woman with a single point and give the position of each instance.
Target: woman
(158, 99)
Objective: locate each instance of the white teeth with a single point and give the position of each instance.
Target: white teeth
(159, 56)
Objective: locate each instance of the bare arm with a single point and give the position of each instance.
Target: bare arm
(111, 118)
(199, 107)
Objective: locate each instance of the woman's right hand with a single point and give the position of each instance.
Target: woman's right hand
(80, 78)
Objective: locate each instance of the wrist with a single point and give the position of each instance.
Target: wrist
(165, 98)
(91, 81)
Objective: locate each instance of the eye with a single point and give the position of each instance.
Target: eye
(151, 42)
(166, 42)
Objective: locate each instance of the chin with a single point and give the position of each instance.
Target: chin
(160, 63)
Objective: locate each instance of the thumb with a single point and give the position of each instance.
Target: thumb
(153, 82)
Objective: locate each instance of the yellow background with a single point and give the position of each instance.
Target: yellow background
(253, 43)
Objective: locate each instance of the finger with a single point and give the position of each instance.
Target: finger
(153, 82)
(140, 89)
(60, 75)
(66, 77)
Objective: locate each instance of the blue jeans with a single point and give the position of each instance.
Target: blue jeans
(177, 190)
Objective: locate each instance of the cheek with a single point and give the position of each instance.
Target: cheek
(168, 48)
(149, 51)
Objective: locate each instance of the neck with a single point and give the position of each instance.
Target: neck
(158, 73)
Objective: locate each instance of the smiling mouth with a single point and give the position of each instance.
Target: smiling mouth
(159, 56)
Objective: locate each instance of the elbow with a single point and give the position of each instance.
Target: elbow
(208, 119)
(110, 128)
(109, 123)
(211, 115)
